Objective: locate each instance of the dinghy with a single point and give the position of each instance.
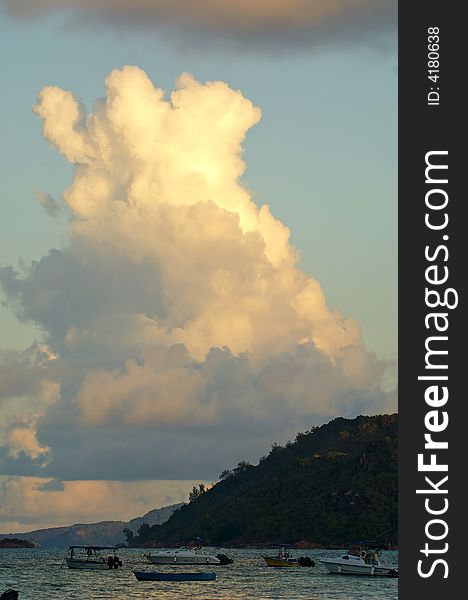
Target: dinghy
(89, 558)
(158, 576)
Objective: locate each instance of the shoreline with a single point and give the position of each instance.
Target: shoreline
(260, 546)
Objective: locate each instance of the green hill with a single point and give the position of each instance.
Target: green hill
(333, 484)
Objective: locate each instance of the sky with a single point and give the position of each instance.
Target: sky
(198, 241)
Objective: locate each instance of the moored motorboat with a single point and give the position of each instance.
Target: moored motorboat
(284, 559)
(183, 556)
(361, 560)
(91, 559)
(166, 576)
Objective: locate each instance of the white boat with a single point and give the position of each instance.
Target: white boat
(360, 560)
(183, 556)
(91, 559)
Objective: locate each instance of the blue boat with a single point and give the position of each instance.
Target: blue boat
(158, 576)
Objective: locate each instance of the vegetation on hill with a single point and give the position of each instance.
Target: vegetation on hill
(16, 543)
(334, 484)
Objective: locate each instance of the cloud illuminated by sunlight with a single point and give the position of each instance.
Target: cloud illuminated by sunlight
(176, 315)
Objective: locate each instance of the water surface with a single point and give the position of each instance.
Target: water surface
(37, 574)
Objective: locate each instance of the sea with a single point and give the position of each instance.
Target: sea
(40, 574)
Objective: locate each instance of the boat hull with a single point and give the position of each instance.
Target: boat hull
(271, 561)
(154, 576)
(171, 559)
(350, 569)
(87, 565)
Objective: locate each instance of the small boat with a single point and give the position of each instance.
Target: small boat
(183, 556)
(91, 559)
(361, 560)
(9, 595)
(158, 576)
(284, 559)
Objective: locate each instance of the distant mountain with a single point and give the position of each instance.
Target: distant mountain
(103, 533)
(334, 484)
(156, 516)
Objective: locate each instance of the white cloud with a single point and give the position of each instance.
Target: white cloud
(181, 334)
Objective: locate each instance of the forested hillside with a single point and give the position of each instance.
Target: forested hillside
(333, 484)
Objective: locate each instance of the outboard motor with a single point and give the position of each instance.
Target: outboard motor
(223, 559)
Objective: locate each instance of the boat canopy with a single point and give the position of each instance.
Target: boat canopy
(369, 544)
(93, 547)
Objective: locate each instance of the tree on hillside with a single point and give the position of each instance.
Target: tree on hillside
(197, 492)
(241, 467)
(129, 535)
(143, 534)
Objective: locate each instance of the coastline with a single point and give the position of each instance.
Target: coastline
(302, 545)
(16, 543)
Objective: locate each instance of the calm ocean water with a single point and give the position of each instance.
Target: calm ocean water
(37, 575)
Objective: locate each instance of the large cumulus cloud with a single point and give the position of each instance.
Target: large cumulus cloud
(180, 336)
(252, 22)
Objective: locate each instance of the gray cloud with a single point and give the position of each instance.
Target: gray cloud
(19, 375)
(277, 23)
(52, 485)
(48, 203)
(253, 406)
